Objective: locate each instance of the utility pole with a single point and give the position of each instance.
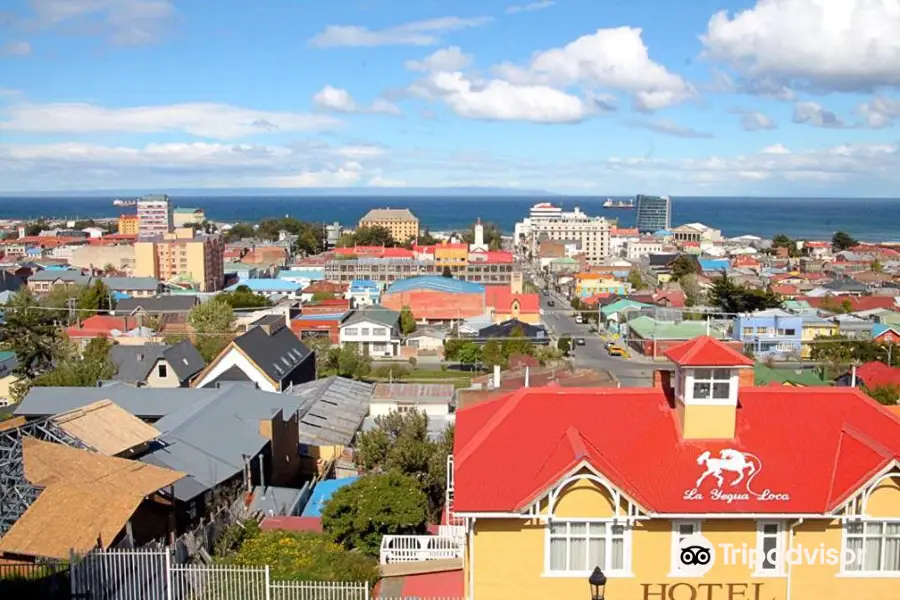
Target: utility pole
(70, 304)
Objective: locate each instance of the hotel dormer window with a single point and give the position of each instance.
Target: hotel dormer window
(712, 384)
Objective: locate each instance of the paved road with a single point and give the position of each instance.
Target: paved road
(593, 355)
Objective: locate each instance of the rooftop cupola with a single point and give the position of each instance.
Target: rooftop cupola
(708, 375)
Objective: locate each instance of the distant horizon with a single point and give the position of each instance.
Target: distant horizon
(369, 193)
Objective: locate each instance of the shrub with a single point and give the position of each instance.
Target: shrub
(305, 556)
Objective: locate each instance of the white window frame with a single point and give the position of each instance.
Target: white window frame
(625, 571)
(675, 563)
(712, 381)
(861, 572)
(761, 535)
(351, 331)
(379, 331)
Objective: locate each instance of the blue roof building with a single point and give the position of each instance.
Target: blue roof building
(437, 284)
(770, 333)
(267, 286)
(322, 493)
(714, 264)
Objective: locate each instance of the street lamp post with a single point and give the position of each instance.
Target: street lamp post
(597, 580)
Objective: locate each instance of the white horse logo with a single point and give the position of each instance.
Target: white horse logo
(732, 461)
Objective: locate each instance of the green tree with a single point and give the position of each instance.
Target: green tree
(304, 556)
(517, 343)
(73, 370)
(842, 241)
(876, 266)
(369, 236)
(693, 293)
(447, 273)
(564, 344)
(321, 345)
(84, 224)
(733, 298)
(36, 227)
(400, 441)
(213, 325)
(407, 321)
(451, 348)
(358, 515)
(684, 265)
(885, 394)
(319, 296)
(240, 231)
(348, 361)
(492, 354)
(426, 239)
(635, 279)
(244, 297)
(94, 298)
(29, 332)
(469, 354)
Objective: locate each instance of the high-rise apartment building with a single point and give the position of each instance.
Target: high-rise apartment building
(181, 256)
(154, 213)
(653, 213)
(545, 222)
(402, 224)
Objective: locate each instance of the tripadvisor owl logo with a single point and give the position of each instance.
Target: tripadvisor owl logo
(696, 556)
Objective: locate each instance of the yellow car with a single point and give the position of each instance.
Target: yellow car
(616, 351)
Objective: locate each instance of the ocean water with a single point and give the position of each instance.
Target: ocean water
(804, 218)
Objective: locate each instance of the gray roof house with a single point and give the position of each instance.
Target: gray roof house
(213, 434)
(157, 365)
(268, 354)
(157, 304)
(134, 285)
(372, 314)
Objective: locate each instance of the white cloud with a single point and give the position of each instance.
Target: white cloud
(500, 100)
(121, 21)
(93, 166)
(614, 59)
(15, 48)
(814, 44)
(530, 7)
(816, 115)
(210, 120)
(754, 121)
(417, 33)
(380, 180)
(339, 100)
(444, 60)
(880, 112)
(667, 127)
(775, 149)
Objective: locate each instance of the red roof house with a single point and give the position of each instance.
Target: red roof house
(876, 374)
(100, 326)
(812, 450)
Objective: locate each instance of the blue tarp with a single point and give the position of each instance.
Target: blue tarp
(322, 493)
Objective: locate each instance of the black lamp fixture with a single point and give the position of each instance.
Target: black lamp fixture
(598, 584)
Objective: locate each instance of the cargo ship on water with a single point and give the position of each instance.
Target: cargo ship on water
(120, 202)
(610, 203)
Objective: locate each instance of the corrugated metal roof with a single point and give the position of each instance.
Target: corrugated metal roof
(332, 410)
(438, 284)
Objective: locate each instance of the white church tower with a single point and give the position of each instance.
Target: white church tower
(479, 245)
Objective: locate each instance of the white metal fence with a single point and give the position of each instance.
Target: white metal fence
(152, 575)
(414, 548)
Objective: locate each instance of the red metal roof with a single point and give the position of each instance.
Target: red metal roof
(705, 351)
(100, 326)
(292, 523)
(876, 374)
(857, 303)
(511, 450)
(501, 298)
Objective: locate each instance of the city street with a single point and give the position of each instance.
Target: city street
(593, 355)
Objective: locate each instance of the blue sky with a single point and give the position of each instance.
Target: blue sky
(725, 97)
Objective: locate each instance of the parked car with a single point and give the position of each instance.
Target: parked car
(579, 341)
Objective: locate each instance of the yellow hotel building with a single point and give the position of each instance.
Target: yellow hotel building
(402, 224)
(555, 482)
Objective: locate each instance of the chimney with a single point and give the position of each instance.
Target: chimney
(496, 377)
(527, 373)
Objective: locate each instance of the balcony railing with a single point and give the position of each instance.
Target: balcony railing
(416, 548)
